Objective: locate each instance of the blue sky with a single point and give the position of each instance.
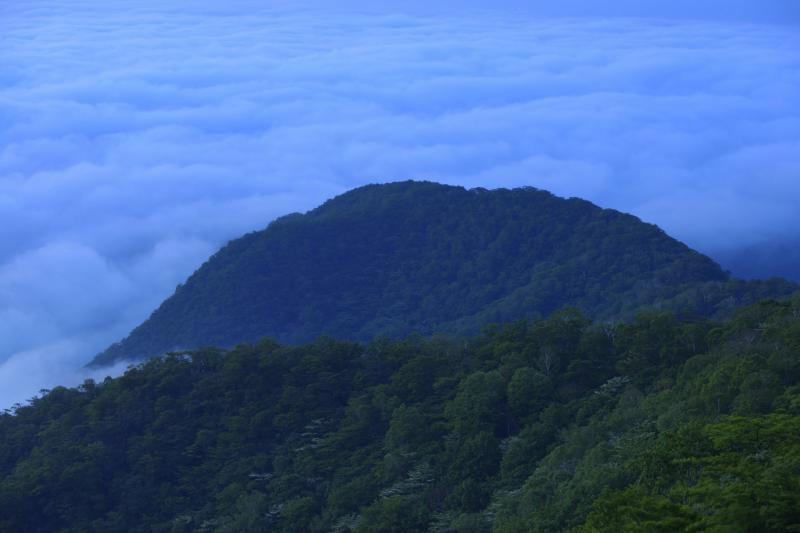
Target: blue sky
(136, 138)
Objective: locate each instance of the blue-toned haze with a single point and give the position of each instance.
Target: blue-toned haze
(135, 139)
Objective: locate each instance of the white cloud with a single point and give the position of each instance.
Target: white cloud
(135, 139)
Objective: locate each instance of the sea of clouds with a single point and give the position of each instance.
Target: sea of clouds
(136, 139)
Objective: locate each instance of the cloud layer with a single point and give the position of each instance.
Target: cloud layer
(135, 140)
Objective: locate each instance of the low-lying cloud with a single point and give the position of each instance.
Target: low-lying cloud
(136, 140)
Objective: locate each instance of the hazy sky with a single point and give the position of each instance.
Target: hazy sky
(136, 139)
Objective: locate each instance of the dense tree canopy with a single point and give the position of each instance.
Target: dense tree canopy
(661, 423)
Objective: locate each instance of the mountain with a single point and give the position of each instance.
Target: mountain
(423, 257)
(657, 424)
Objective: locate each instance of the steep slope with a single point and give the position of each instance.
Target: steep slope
(418, 256)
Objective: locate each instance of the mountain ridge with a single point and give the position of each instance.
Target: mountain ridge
(391, 259)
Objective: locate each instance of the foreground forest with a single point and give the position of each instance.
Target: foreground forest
(658, 424)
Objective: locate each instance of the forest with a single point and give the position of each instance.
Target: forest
(663, 422)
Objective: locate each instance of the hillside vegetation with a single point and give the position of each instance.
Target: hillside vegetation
(422, 257)
(657, 424)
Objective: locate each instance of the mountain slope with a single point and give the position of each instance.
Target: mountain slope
(658, 424)
(418, 256)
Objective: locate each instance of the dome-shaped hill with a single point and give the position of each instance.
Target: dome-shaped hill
(417, 256)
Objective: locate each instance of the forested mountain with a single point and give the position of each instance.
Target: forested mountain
(423, 257)
(657, 424)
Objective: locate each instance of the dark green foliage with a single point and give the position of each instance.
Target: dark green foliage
(659, 424)
(736, 474)
(422, 257)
